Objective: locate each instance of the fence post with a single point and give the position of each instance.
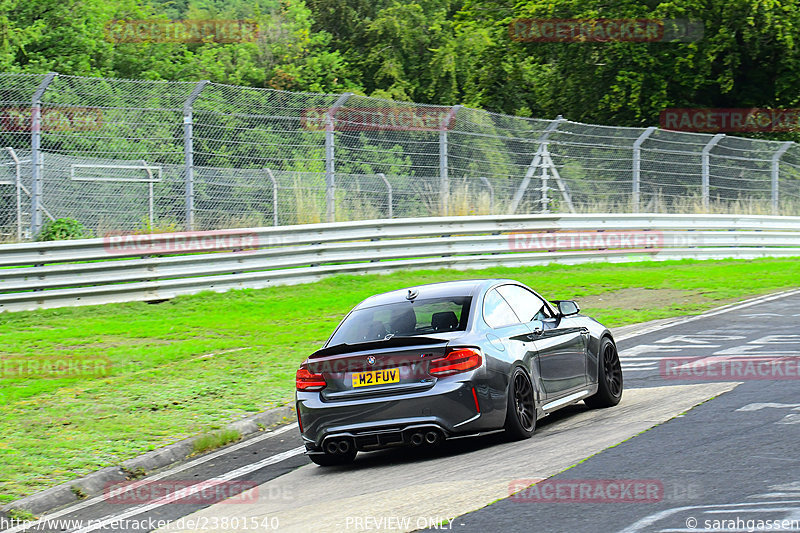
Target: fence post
(706, 163)
(274, 196)
(188, 151)
(444, 177)
(150, 201)
(382, 176)
(537, 159)
(637, 166)
(330, 166)
(36, 155)
(18, 187)
(776, 169)
(545, 199)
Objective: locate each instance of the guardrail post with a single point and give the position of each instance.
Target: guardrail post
(330, 167)
(776, 169)
(389, 191)
(537, 159)
(18, 187)
(36, 155)
(188, 151)
(444, 165)
(706, 164)
(637, 167)
(274, 196)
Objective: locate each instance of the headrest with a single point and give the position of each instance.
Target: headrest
(444, 321)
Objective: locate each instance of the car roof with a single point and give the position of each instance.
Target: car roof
(443, 289)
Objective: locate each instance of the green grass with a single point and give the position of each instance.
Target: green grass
(215, 440)
(18, 515)
(191, 365)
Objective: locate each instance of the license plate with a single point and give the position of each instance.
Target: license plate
(376, 377)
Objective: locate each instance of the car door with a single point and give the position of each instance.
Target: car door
(507, 335)
(561, 346)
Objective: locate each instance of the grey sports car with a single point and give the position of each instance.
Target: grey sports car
(417, 366)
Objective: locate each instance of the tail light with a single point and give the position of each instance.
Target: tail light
(306, 380)
(459, 360)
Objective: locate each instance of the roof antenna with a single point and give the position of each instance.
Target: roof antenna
(412, 293)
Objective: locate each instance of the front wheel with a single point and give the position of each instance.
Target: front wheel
(521, 412)
(609, 378)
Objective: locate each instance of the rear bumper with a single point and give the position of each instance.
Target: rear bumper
(384, 421)
(376, 439)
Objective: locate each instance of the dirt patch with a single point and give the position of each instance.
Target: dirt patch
(637, 298)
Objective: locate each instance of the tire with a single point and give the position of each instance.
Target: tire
(521, 412)
(609, 378)
(327, 459)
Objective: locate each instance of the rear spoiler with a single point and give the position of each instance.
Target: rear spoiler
(392, 342)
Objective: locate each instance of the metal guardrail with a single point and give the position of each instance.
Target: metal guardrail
(121, 268)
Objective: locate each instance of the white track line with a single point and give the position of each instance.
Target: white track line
(156, 477)
(645, 523)
(198, 487)
(713, 312)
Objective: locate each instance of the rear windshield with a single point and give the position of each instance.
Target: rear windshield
(403, 319)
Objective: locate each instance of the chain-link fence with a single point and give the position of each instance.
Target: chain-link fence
(125, 155)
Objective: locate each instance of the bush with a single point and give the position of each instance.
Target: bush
(63, 229)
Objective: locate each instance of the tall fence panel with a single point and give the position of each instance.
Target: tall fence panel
(151, 156)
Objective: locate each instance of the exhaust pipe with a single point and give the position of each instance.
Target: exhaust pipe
(417, 439)
(432, 437)
(338, 446)
(331, 447)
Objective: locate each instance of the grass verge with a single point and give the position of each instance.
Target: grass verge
(212, 441)
(190, 365)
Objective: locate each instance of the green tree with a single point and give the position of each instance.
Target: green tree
(746, 57)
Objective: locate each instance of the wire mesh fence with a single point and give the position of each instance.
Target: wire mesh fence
(145, 156)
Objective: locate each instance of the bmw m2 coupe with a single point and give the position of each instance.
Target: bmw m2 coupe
(418, 366)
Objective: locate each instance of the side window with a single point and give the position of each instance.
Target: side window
(525, 304)
(496, 311)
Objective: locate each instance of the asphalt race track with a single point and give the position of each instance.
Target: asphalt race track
(702, 444)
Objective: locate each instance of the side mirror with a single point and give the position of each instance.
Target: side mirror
(567, 307)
